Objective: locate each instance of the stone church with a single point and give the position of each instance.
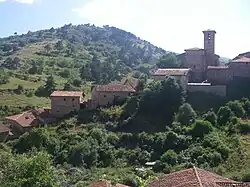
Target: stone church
(199, 59)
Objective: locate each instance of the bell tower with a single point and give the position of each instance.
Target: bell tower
(209, 44)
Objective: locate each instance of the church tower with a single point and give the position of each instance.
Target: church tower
(209, 44)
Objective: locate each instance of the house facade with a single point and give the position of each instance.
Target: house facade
(64, 102)
(104, 95)
(181, 75)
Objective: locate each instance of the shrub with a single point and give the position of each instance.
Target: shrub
(201, 128)
(169, 157)
(186, 114)
(77, 82)
(224, 115)
(20, 89)
(236, 108)
(211, 117)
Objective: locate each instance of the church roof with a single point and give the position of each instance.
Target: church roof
(194, 49)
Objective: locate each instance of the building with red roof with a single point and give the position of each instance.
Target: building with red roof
(194, 177)
(107, 94)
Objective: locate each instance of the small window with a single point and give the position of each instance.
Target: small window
(73, 99)
(57, 111)
(64, 99)
(74, 106)
(104, 96)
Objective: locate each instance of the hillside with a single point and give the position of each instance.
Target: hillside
(74, 55)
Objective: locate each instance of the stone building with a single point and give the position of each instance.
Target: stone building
(182, 76)
(27, 120)
(64, 102)
(199, 59)
(104, 95)
(195, 177)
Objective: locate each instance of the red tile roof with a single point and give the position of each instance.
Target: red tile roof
(242, 59)
(190, 177)
(66, 94)
(4, 129)
(114, 88)
(217, 67)
(106, 184)
(171, 72)
(30, 118)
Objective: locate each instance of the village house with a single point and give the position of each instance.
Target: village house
(131, 81)
(181, 76)
(195, 177)
(104, 95)
(5, 133)
(27, 120)
(64, 102)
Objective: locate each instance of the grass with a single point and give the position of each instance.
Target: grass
(22, 100)
(14, 82)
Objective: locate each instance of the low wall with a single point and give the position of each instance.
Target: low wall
(220, 90)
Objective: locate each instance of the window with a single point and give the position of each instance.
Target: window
(64, 99)
(73, 99)
(104, 96)
(74, 106)
(209, 37)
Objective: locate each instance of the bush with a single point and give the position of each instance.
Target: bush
(186, 114)
(77, 82)
(224, 115)
(211, 117)
(237, 108)
(169, 157)
(20, 89)
(201, 128)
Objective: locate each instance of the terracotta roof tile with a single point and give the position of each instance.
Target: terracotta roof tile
(133, 82)
(4, 129)
(30, 118)
(190, 177)
(66, 94)
(217, 67)
(106, 184)
(242, 59)
(114, 88)
(171, 72)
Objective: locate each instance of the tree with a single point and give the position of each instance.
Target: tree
(211, 117)
(24, 170)
(20, 89)
(50, 84)
(201, 128)
(4, 77)
(186, 114)
(47, 48)
(237, 108)
(169, 157)
(224, 115)
(59, 45)
(169, 61)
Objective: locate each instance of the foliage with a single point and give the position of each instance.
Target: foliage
(169, 61)
(224, 115)
(4, 77)
(237, 108)
(186, 114)
(201, 128)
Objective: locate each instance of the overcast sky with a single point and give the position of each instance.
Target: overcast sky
(171, 24)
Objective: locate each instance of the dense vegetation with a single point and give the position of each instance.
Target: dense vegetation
(162, 123)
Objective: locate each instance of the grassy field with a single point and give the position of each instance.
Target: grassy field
(22, 100)
(14, 82)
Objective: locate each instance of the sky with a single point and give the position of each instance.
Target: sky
(173, 25)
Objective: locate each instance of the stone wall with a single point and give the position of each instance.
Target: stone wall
(219, 75)
(220, 90)
(107, 98)
(195, 59)
(61, 106)
(240, 69)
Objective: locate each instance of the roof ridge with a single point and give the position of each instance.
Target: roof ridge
(197, 176)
